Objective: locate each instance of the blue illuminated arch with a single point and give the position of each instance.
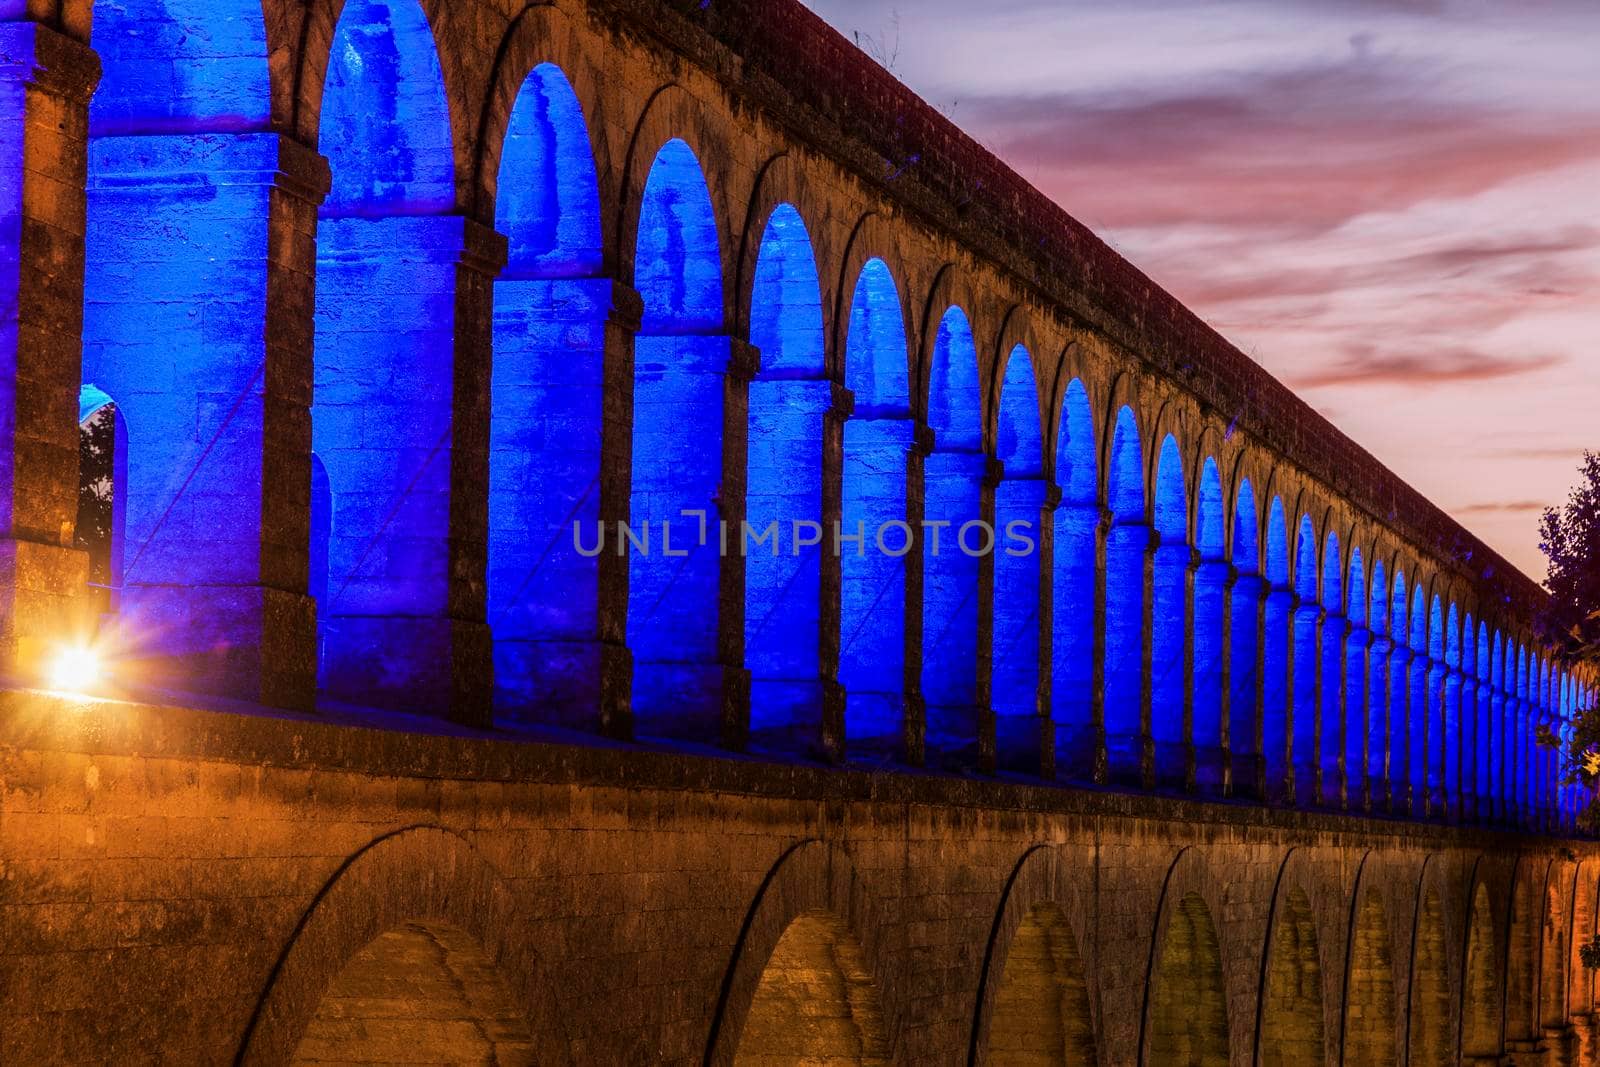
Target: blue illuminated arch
(546, 411)
(952, 484)
(877, 439)
(1419, 703)
(1019, 502)
(170, 66)
(1244, 675)
(1304, 707)
(1210, 595)
(1399, 699)
(180, 183)
(1169, 621)
(1127, 541)
(789, 400)
(387, 256)
(1487, 739)
(1451, 738)
(1377, 687)
(1354, 652)
(1072, 644)
(1330, 712)
(680, 364)
(1275, 656)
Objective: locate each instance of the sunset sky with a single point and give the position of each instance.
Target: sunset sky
(1393, 206)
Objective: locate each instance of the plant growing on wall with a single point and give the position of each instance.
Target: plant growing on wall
(1570, 623)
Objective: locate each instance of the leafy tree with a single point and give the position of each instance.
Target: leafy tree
(1570, 623)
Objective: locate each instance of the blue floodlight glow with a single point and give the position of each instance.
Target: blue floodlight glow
(1303, 633)
(550, 308)
(380, 416)
(1452, 740)
(180, 179)
(1126, 544)
(1399, 698)
(1275, 656)
(1210, 591)
(877, 439)
(1377, 685)
(1330, 734)
(1072, 643)
(789, 401)
(952, 481)
(1244, 707)
(1354, 658)
(680, 364)
(1417, 695)
(1018, 498)
(1487, 740)
(1168, 622)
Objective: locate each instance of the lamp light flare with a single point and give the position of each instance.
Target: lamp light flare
(75, 670)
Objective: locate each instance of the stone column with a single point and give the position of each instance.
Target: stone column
(1439, 803)
(1101, 767)
(1377, 685)
(744, 363)
(1400, 739)
(831, 743)
(1353, 712)
(1247, 765)
(45, 83)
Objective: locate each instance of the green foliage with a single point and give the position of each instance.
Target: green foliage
(1570, 623)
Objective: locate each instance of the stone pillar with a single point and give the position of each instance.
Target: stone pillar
(1145, 747)
(1377, 685)
(1400, 739)
(45, 83)
(744, 363)
(1101, 766)
(1439, 739)
(1333, 628)
(1185, 763)
(1213, 755)
(1247, 767)
(615, 662)
(1023, 738)
(1353, 713)
(831, 743)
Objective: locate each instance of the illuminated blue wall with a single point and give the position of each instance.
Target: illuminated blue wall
(1377, 685)
(1019, 502)
(1275, 656)
(1486, 739)
(1072, 640)
(876, 440)
(1500, 735)
(1399, 698)
(952, 486)
(1244, 705)
(1169, 624)
(1303, 632)
(1417, 700)
(1356, 643)
(788, 402)
(1452, 740)
(1127, 543)
(179, 180)
(550, 307)
(386, 264)
(680, 360)
(1330, 738)
(1210, 593)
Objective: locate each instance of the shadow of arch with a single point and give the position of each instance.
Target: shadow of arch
(1428, 1025)
(812, 921)
(420, 992)
(1035, 1003)
(1291, 1022)
(417, 875)
(1482, 991)
(1186, 987)
(1369, 1009)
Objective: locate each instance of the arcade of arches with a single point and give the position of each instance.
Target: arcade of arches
(382, 380)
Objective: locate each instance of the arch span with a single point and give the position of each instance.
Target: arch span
(421, 874)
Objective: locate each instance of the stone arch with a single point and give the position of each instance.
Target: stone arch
(873, 237)
(419, 991)
(1370, 1023)
(1555, 948)
(1036, 1002)
(1187, 982)
(1483, 999)
(544, 33)
(1580, 980)
(816, 883)
(421, 874)
(782, 180)
(1123, 392)
(1291, 1012)
(1017, 330)
(1429, 1031)
(1522, 951)
(951, 290)
(671, 114)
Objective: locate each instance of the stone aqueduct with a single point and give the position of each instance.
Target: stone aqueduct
(379, 298)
